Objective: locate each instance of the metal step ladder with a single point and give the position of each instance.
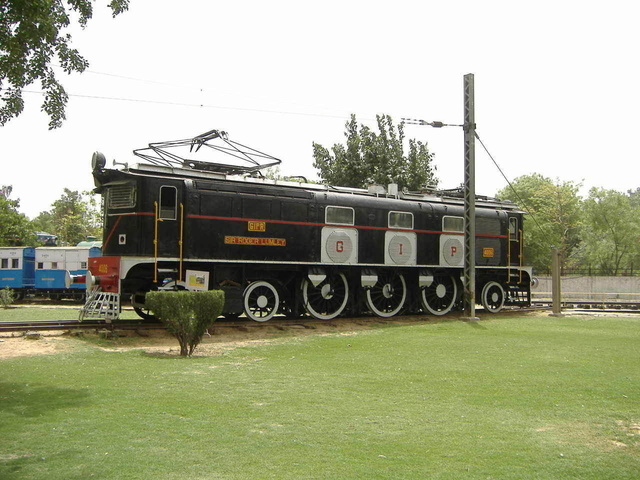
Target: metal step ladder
(101, 306)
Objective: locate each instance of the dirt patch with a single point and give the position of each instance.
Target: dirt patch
(158, 342)
(11, 347)
(221, 339)
(596, 436)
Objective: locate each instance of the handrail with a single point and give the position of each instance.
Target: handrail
(155, 243)
(509, 257)
(180, 241)
(521, 254)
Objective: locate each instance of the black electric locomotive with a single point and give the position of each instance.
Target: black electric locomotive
(292, 248)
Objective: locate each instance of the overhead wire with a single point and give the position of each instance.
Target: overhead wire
(521, 201)
(202, 90)
(195, 105)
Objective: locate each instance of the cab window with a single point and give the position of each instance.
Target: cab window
(513, 229)
(168, 202)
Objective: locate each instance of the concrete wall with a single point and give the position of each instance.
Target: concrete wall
(591, 288)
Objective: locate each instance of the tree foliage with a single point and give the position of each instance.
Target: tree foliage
(73, 217)
(379, 158)
(554, 219)
(611, 230)
(32, 37)
(15, 228)
(186, 314)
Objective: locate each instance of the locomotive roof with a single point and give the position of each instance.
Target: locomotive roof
(164, 159)
(452, 197)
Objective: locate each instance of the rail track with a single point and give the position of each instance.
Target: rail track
(305, 322)
(593, 305)
(72, 325)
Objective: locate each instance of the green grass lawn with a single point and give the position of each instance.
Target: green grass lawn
(509, 398)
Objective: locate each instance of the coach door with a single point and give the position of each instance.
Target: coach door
(514, 248)
(168, 225)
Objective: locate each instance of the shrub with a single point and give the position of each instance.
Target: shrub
(6, 297)
(186, 314)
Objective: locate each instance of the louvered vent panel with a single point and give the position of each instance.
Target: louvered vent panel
(122, 196)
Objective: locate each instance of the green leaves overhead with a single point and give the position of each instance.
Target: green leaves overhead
(32, 40)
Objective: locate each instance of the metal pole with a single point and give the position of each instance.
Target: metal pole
(469, 286)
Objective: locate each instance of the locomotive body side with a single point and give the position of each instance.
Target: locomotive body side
(293, 248)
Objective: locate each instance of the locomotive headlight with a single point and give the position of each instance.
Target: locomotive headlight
(68, 279)
(90, 281)
(98, 161)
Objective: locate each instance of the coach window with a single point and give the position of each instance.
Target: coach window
(453, 224)
(401, 220)
(168, 202)
(513, 229)
(15, 263)
(340, 215)
(4, 263)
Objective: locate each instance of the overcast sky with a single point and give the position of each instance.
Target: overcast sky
(556, 86)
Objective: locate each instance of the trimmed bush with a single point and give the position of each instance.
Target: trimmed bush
(186, 314)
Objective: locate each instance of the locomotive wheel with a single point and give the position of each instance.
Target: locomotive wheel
(328, 299)
(261, 301)
(493, 297)
(144, 313)
(386, 298)
(137, 302)
(439, 297)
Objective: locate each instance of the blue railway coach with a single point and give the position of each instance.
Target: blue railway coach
(17, 267)
(56, 265)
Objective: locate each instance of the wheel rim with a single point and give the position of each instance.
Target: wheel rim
(328, 299)
(137, 300)
(386, 298)
(261, 301)
(439, 297)
(493, 297)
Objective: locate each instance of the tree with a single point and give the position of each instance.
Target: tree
(375, 158)
(74, 216)
(634, 197)
(15, 228)
(43, 223)
(186, 314)
(611, 231)
(32, 36)
(554, 220)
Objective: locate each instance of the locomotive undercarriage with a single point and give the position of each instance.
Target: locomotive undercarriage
(324, 292)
